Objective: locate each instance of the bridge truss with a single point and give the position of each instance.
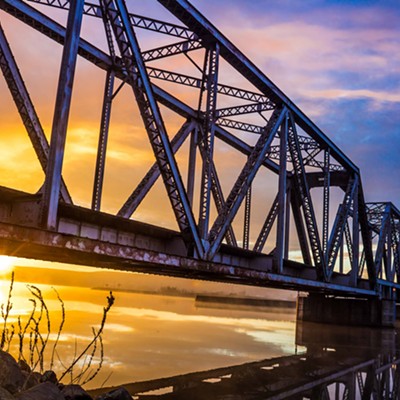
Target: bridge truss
(315, 203)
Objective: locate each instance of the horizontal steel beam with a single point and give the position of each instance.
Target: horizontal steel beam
(139, 21)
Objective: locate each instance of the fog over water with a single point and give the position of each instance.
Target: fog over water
(149, 335)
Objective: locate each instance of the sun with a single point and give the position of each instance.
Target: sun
(6, 264)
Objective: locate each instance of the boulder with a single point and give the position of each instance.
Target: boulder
(116, 394)
(43, 391)
(23, 366)
(11, 377)
(30, 379)
(49, 376)
(75, 392)
(5, 395)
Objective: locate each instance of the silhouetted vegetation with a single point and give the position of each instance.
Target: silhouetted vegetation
(30, 336)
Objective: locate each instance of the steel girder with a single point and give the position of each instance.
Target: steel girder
(26, 108)
(52, 183)
(384, 220)
(290, 145)
(149, 110)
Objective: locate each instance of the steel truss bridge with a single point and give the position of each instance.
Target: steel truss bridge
(313, 196)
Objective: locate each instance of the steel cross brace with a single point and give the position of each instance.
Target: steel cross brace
(245, 109)
(26, 109)
(243, 182)
(152, 175)
(306, 201)
(171, 50)
(383, 234)
(396, 247)
(336, 237)
(139, 80)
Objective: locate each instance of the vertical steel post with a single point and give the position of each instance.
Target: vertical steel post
(389, 275)
(356, 241)
(26, 109)
(208, 141)
(287, 227)
(246, 223)
(52, 183)
(280, 230)
(341, 256)
(103, 137)
(325, 216)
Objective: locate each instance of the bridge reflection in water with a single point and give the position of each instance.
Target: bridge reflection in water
(338, 363)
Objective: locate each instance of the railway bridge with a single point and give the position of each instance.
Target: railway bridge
(258, 194)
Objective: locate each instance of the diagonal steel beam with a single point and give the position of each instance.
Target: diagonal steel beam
(243, 182)
(300, 228)
(137, 196)
(266, 228)
(26, 109)
(139, 80)
(102, 145)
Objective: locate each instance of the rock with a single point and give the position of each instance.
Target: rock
(30, 379)
(23, 366)
(116, 394)
(5, 395)
(11, 377)
(49, 376)
(75, 392)
(43, 391)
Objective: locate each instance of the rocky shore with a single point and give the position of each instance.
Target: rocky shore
(17, 381)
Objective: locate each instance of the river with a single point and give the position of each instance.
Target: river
(150, 335)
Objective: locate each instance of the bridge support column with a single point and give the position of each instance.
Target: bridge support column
(346, 311)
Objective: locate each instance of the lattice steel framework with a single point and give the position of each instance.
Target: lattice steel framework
(261, 123)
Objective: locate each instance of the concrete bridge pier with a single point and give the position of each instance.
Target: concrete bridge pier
(346, 311)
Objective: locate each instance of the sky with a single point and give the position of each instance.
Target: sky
(338, 60)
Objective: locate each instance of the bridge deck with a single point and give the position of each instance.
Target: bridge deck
(97, 239)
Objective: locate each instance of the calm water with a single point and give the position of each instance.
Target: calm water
(149, 336)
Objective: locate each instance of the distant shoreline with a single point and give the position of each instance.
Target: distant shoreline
(242, 301)
(209, 299)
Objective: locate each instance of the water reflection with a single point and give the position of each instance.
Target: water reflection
(149, 336)
(162, 342)
(339, 363)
